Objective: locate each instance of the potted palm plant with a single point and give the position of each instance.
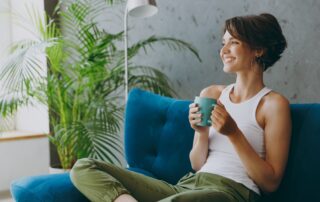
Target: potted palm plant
(83, 85)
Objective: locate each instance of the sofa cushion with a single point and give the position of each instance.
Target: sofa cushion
(158, 136)
(53, 188)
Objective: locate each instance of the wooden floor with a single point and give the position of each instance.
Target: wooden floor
(5, 196)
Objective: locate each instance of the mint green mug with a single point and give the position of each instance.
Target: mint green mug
(206, 106)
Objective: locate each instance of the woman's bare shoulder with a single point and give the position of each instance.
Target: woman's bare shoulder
(212, 91)
(275, 99)
(275, 103)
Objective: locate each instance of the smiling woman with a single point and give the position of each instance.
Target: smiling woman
(245, 150)
(249, 139)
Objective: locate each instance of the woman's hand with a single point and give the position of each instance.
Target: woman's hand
(222, 121)
(195, 118)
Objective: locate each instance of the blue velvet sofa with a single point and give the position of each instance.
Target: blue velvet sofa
(158, 139)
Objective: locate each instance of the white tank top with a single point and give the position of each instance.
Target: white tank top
(223, 159)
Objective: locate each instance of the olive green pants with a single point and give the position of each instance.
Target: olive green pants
(100, 181)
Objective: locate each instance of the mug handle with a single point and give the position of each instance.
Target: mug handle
(210, 122)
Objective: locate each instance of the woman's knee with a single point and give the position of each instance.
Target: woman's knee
(80, 170)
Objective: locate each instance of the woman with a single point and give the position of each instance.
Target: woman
(246, 148)
(249, 139)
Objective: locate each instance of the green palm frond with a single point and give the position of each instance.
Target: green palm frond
(22, 71)
(38, 24)
(9, 103)
(99, 141)
(172, 43)
(84, 82)
(6, 123)
(151, 79)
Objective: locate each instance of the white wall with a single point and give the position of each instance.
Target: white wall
(5, 26)
(28, 156)
(21, 158)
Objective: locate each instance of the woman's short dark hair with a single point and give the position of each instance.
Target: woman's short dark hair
(259, 32)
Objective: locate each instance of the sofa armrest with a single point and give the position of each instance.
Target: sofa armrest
(49, 188)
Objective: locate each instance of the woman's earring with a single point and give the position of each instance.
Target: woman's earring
(260, 62)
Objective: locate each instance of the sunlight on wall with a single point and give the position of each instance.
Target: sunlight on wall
(5, 40)
(17, 26)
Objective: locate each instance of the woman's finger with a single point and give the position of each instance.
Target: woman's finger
(221, 111)
(218, 120)
(194, 116)
(194, 109)
(217, 116)
(194, 122)
(218, 112)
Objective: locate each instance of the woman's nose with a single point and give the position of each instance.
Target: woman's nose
(225, 48)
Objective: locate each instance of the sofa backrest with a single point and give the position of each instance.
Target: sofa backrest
(158, 136)
(302, 176)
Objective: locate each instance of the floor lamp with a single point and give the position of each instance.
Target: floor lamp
(135, 8)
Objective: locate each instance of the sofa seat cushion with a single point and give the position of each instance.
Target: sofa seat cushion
(46, 188)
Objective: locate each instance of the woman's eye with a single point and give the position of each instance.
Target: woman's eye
(234, 42)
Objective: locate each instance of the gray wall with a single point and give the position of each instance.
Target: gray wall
(199, 22)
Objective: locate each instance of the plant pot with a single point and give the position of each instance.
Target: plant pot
(57, 169)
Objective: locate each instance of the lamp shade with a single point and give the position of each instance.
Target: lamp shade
(142, 8)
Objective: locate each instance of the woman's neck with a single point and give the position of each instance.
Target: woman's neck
(246, 86)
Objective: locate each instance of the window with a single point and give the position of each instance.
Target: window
(5, 40)
(28, 119)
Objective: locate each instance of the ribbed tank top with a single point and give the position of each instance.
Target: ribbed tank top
(223, 159)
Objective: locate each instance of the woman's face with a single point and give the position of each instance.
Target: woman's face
(235, 54)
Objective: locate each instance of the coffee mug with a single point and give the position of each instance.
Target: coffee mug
(206, 106)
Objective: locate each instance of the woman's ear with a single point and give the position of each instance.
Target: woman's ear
(259, 52)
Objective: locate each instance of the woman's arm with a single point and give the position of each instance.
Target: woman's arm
(267, 173)
(199, 151)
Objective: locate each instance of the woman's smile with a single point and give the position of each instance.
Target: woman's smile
(228, 59)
